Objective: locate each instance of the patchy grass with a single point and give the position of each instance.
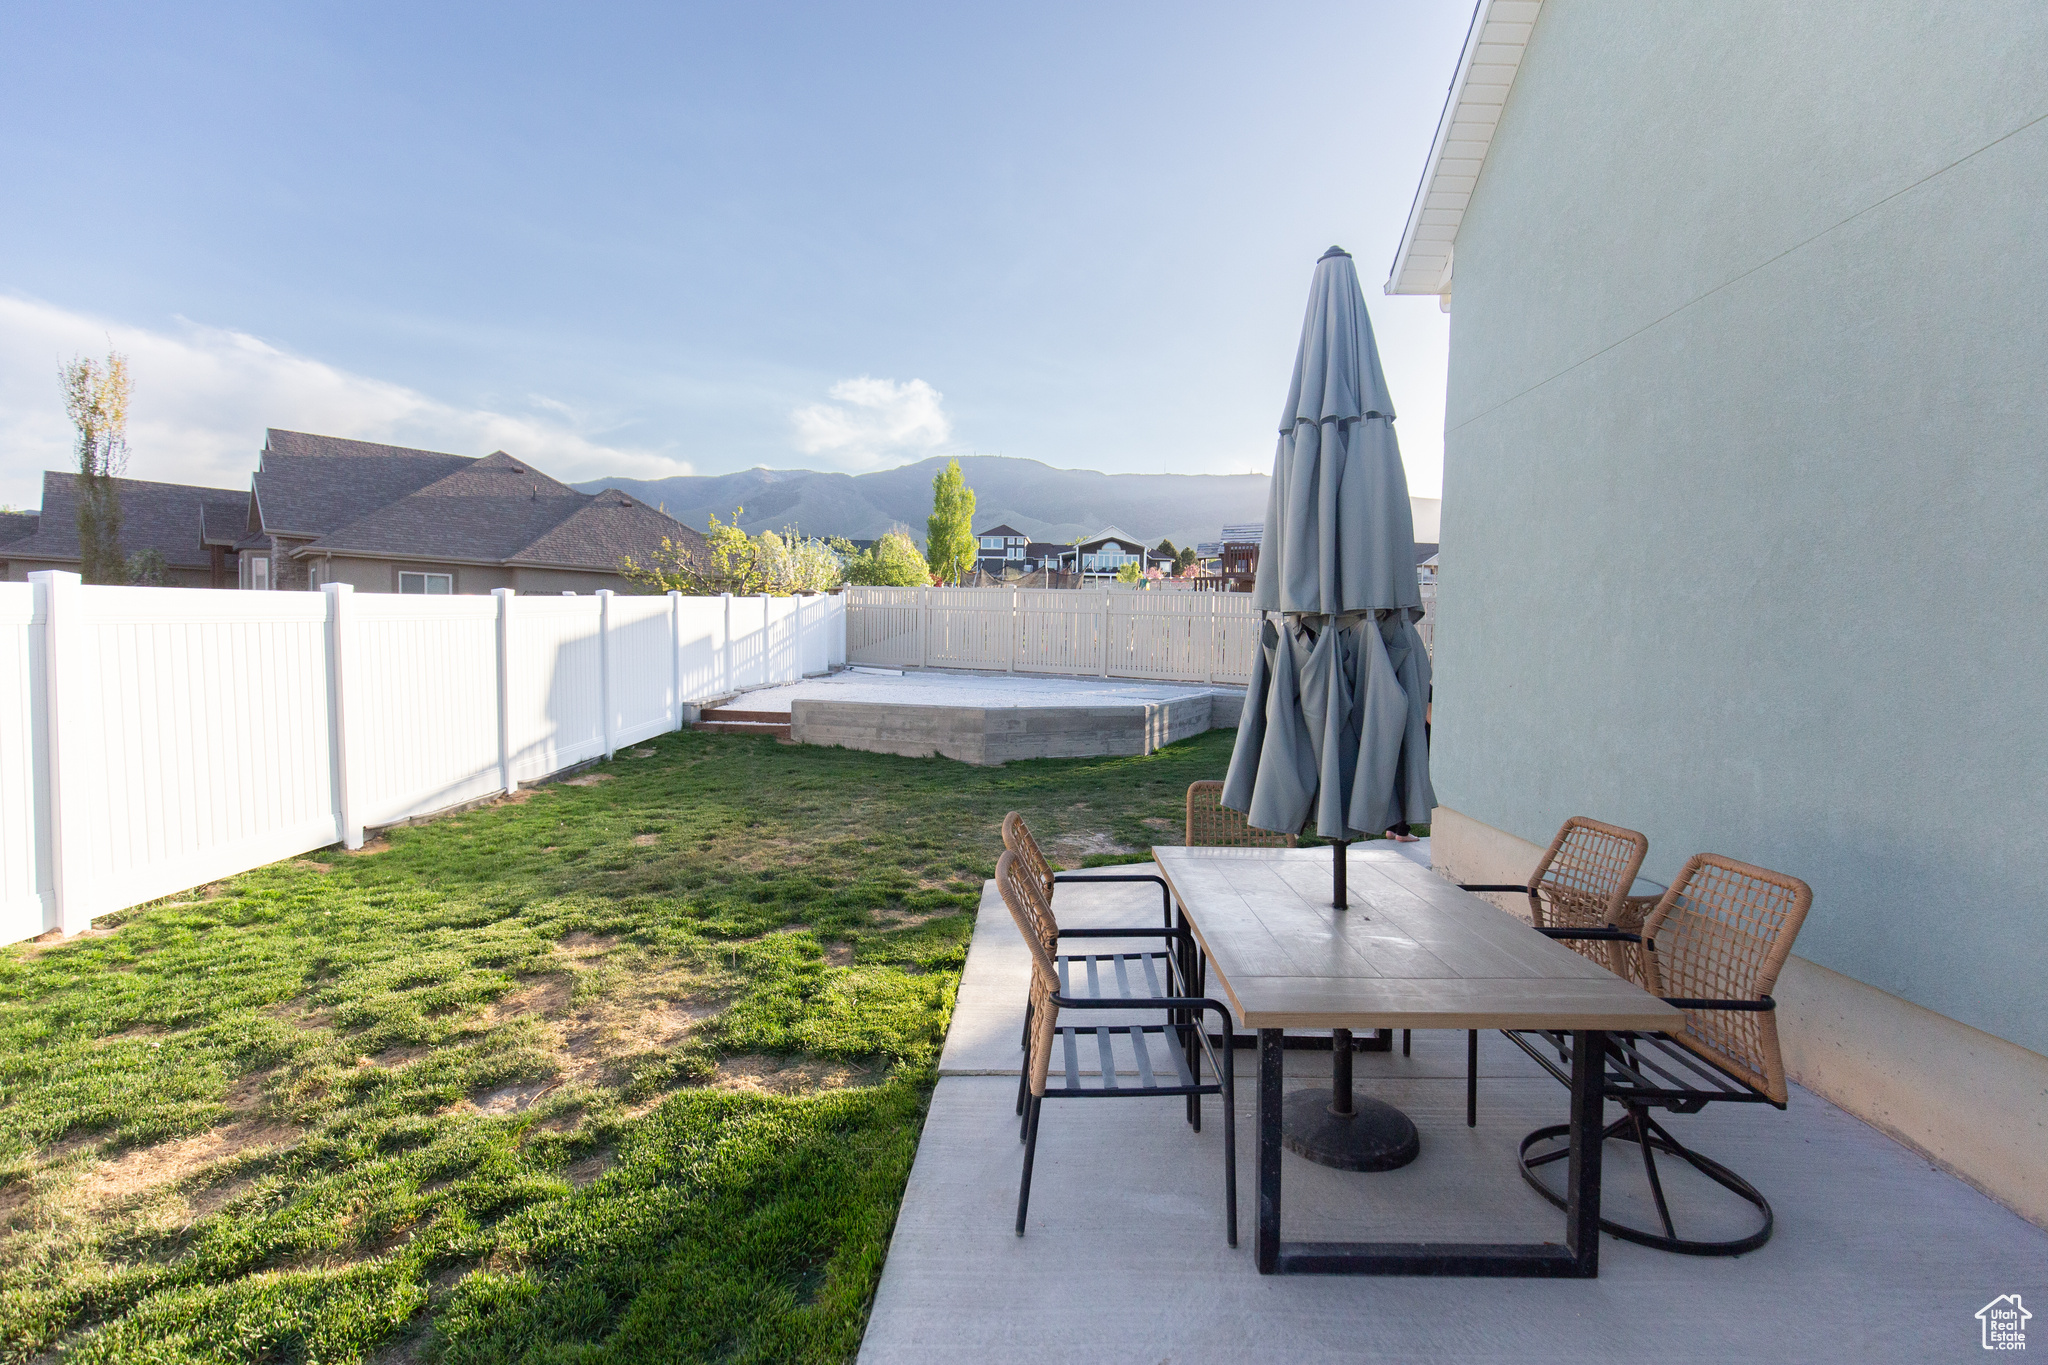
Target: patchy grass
(626, 1069)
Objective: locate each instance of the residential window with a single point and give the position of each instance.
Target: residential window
(991, 542)
(259, 572)
(426, 583)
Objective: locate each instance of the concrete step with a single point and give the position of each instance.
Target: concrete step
(753, 717)
(776, 726)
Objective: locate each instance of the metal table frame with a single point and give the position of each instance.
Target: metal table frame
(1578, 1258)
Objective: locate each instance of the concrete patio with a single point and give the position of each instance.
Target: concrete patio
(1877, 1255)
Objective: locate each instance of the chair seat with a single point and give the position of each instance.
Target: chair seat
(1156, 966)
(1180, 1078)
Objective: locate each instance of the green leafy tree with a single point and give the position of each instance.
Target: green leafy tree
(1129, 572)
(1164, 549)
(729, 560)
(147, 569)
(949, 533)
(891, 562)
(96, 401)
(1184, 561)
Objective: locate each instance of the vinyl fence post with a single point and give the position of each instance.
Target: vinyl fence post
(65, 710)
(1105, 632)
(924, 632)
(604, 665)
(1215, 638)
(767, 639)
(504, 596)
(675, 660)
(725, 648)
(1010, 647)
(341, 611)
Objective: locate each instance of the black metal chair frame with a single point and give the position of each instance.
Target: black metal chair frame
(1645, 1071)
(1060, 879)
(1181, 1031)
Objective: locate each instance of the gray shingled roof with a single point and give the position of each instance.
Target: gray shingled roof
(607, 528)
(16, 526)
(224, 521)
(311, 485)
(164, 517)
(501, 509)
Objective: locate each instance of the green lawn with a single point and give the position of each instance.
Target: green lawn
(624, 1071)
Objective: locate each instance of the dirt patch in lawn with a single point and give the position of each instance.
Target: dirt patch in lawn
(1070, 850)
(142, 1169)
(586, 779)
(788, 1075)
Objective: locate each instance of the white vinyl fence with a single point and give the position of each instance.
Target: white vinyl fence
(153, 739)
(1108, 633)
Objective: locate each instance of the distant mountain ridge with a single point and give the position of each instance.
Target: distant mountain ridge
(1043, 502)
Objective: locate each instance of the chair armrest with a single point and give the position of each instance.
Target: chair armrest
(1759, 1005)
(1178, 934)
(1146, 1002)
(1108, 877)
(1488, 886)
(1621, 935)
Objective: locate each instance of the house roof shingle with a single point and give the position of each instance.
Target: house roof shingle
(310, 485)
(17, 526)
(164, 517)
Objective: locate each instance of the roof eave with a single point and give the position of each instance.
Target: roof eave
(1486, 72)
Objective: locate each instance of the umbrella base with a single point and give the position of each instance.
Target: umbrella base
(1375, 1136)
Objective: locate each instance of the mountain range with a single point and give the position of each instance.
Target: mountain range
(1043, 502)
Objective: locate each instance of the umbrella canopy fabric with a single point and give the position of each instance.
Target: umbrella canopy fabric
(1340, 535)
(1334, 723)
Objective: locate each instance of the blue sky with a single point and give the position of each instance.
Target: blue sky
(674, 239)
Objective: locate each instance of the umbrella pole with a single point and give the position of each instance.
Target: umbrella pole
(1340, 891)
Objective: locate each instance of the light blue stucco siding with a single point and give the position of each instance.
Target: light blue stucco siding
(1745, 530)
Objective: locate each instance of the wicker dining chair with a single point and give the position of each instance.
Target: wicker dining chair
(1713, 947)
(1137, 984)
(1211, 824)
(1582, 883)
(1017, 839)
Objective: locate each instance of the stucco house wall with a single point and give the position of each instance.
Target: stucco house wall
(381, 575)
(1744, 489)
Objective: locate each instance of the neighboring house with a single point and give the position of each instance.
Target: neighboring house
(391, 519)
(1102, 555)
(1425, 561)
(1237, 556)
(1003, 548)
(165, 517)
(1744, 455)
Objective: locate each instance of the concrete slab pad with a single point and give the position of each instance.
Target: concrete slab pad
(1877, 1257)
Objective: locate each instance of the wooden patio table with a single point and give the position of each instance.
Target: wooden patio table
(1409, 951)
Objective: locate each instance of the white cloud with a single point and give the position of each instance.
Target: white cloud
(203, 396)
(872, 422)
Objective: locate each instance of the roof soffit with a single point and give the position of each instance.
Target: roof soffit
(1479, 90)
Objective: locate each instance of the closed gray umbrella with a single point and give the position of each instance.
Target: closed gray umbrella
(1334, 719)
(1333, 724)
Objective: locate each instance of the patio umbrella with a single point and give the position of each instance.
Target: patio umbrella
(1333, 726)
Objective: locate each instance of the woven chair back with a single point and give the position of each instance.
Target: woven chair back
(1017, 839)
(1032, 911)
(1211, 824)
(1582, 883)
(1723, 932)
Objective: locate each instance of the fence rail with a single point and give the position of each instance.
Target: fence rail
(1187, 637)
(153, 739)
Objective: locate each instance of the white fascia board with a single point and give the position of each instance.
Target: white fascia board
(1486, 72)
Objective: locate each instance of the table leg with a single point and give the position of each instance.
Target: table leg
(1272, 1052)
(1582, 1170)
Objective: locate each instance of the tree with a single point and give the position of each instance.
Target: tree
(1164, 549)
(891, 562)
(96, 401)
(949, 533)
(1183, 561)
(729, 560)
(147, 569)
(1129, 572)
